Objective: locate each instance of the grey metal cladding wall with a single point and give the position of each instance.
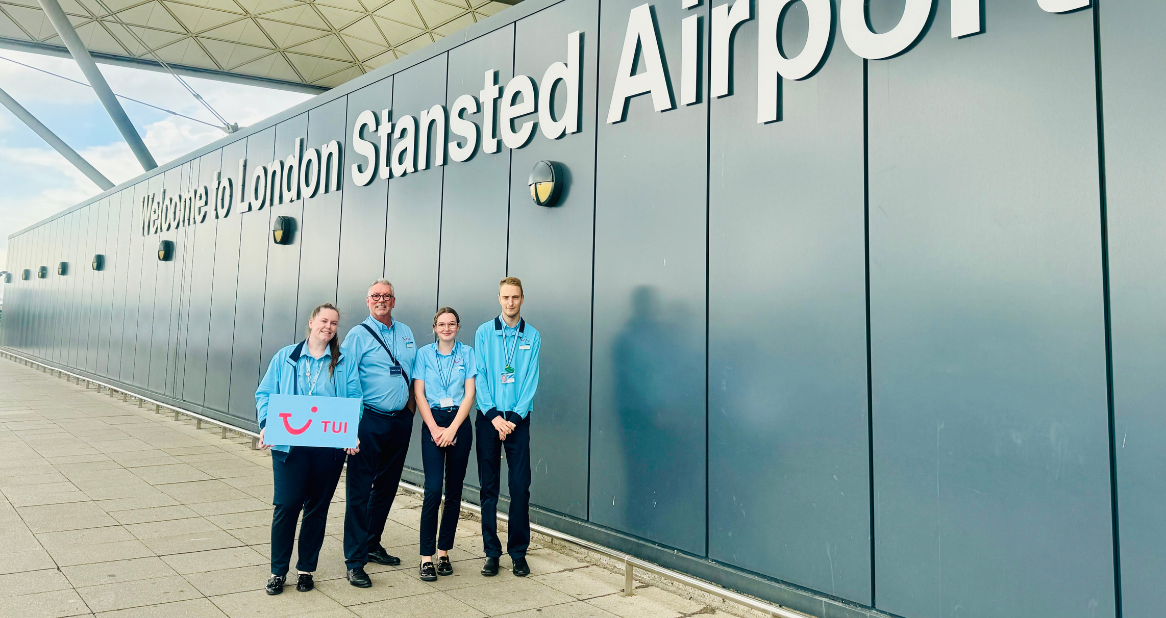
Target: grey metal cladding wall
(162, 329)
(787, 325)
(987, 328)
(201, 289)
(82, 298)
(123, 273)
(648, 415)
(255, 238)
(223, 290)
(114, 239)
(152, 271)
(91, 290)
(319, 232)
(413, 226)
(62, 293)
(362, 222)
(175, 359)
(147, 264)
(475, 203)
(1135, 154)
(550, 250)
(95, 339)
(283, 261)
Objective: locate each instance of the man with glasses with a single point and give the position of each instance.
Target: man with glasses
(383, 350)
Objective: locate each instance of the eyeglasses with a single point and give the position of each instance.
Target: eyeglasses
(446, 325)
(381, 297)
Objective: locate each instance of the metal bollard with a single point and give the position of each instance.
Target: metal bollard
(176, 415)
(224, 433)
(254, 444)
(198, 423)
(628, 584)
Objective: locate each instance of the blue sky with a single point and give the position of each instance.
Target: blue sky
(38, 182)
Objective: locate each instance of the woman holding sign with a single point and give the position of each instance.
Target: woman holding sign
(305, 476)
(444, 386)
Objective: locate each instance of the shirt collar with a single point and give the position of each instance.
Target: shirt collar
(377, 324)
(301, 351)
(499, 325)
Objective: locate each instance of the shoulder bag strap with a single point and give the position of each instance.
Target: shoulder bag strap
(393, 358)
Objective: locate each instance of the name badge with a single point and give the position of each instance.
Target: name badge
(409, 344)
(396, 370)
(508, 377)
(445, 402)
(524, 347)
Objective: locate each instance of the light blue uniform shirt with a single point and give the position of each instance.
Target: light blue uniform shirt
(445, 375)
(294, 372)
(521, 350)
(382, 390)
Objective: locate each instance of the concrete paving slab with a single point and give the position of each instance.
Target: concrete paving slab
(117, 571)
(215, 560)
(138, 593)
(194, 608)
(56, 604)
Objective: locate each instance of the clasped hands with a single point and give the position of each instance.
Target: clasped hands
(443, 436)
(503, 426)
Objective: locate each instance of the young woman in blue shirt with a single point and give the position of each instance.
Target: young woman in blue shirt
(444, 389)
(305, 476)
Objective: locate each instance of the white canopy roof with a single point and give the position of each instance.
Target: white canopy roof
(302, 44)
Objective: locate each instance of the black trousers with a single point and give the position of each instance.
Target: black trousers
(517, 447)
(305, 479)
(373, 476)
(448, 464)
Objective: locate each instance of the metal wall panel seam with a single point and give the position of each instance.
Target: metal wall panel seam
(1103, 212)
(869, 383)
(594, 211)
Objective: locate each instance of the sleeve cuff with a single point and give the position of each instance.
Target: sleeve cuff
(262, 424)
(491, 414)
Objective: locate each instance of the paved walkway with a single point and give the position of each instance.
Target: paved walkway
(112, 510)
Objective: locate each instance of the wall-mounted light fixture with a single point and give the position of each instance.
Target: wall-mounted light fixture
(165, 251)
(98, 262)
(42, 272)
(7, 277)
(63, 268)
(25, 275)
(281, 230)
(546, 182)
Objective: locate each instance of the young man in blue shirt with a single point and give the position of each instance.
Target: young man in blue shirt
(384, 351)
(507, 349)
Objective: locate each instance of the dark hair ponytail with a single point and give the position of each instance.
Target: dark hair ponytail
(333, 343)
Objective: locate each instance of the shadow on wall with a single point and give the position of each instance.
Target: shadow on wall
(653, 361)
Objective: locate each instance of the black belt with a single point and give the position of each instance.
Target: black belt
(368, 408)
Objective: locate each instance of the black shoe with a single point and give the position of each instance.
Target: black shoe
(357, 577)
(520, 568)
(380, 556)
(275, 584)
(305, 582)
(428, 573)
(490, 569)
(444, 566)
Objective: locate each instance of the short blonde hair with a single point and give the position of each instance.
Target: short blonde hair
(515, 281)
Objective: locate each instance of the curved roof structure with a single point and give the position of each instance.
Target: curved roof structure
(299, 44)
